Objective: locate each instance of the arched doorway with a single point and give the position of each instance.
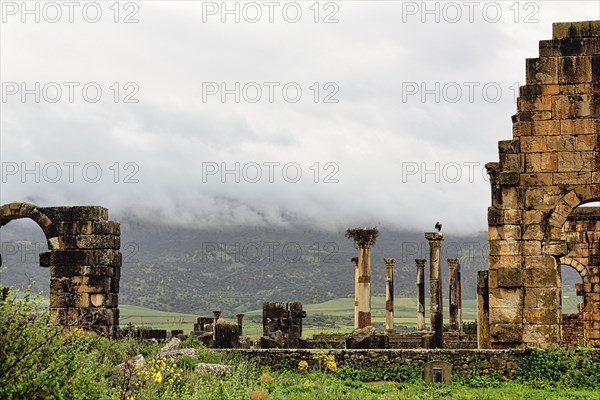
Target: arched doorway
(572, 304)
(84, 262)
(21, 243)
(581, 235)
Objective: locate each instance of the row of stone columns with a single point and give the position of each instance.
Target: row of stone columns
(364, 238)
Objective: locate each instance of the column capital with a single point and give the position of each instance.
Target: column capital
(363, 237)
(434, 236)
(453, 263)
(389, 262)
(420, 262)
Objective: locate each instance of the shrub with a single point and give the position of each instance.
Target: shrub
(39, 359)
(549, 367)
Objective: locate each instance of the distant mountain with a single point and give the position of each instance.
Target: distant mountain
(200, 270)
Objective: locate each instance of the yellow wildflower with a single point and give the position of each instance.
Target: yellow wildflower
(302, 366)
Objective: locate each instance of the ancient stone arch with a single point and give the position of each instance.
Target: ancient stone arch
(577, 266)
(550, 167)
(84, 262)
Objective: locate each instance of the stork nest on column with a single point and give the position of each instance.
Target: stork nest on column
(363, 237)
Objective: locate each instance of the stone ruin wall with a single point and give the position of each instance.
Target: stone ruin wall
(549, 168)
(84, 262)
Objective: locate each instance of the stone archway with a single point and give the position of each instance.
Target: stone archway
(84, 261)
(572, 324)
(581, 234)
(548, 169)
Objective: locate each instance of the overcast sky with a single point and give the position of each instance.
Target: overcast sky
(329, 114)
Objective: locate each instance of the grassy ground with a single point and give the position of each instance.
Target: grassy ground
(404, 314)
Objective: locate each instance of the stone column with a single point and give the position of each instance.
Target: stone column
(483, 311)
(240, 318)
(216, 314)
(389, 294)
(364, 239)
(459, 291)
(420, 293)
(453, 271)
(436, 305)
(355, 262)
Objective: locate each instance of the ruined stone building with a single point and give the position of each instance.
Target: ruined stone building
(84, 261)
(548, 169)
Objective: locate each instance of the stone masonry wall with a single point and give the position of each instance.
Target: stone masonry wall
(504, 362)
(84, 262)
(548, 169)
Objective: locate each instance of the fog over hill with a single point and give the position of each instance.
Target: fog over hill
(198, 270)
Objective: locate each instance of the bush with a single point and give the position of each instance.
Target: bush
(39, 360)
(469, 327)
(555, 366)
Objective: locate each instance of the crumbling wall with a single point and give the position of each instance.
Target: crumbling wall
(84, 262)
(282, 324)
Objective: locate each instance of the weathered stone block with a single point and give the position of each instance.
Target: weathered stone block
(506, 315)
(106, 228)
(506, 333)
(540, 278)
(532, 116)
(578, 127)
(574, 69)
(572, 178)
(536, 179)
(509, 146)
(109, 300)
(522, 128)
(504, 261)
(90, 242)
(561, 143)
(541, 335)
(89, 213)
(533, 144)
(538, 261)
(509, 277)
(504, 247)
(533, 162)
(555, 248)
(495, 216)
(586, 143)
(534, 103)
(532, 247)
(541, 71)
(510, 162)
(511, 217)
(561, 30)
(506, 297)
(533, 232)
(544, 316)
(508, 178)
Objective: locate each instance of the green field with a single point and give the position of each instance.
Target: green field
(341, 310)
